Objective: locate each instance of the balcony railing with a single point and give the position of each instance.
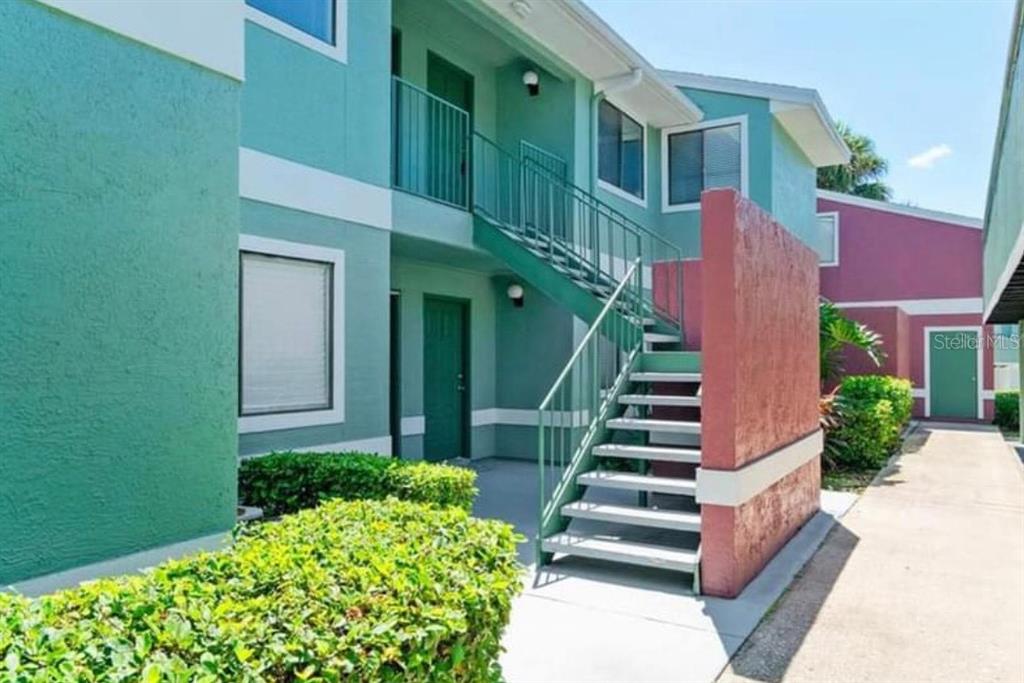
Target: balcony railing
(438, 156)
(430, 145)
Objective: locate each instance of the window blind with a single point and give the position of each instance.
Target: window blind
(285, 334)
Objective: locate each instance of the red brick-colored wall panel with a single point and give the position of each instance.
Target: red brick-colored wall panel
(748, 536)
(759, 333)
(893, 324)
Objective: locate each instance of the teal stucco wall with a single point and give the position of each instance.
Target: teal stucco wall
(794, 187)
(118, 272)
(1004, 214)
(307, 107)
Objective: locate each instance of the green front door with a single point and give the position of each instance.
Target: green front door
(953, 373)
(445, 378)
(448, 131)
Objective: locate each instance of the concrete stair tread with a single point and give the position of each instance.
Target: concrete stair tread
(638, 482)
(615, 550)
(660, 337)
(665, 453)
(636, 516)
(659, 400)
(649, 425)
(689, 377)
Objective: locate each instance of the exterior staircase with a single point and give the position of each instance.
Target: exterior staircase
(619, 432)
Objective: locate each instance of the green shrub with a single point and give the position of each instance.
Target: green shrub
(874, 409)
(1008, 410)
(282, 483)
(352, 591)
(875, 387)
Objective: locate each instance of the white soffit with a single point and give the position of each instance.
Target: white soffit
(580, 38)
(800, 111)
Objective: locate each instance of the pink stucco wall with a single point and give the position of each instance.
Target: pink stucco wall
(893, 324)
(885, 256)
(759, 323)
(891, 257)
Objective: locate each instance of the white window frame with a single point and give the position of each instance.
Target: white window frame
(606, 186)
(976, 329)
(835, 239)
(338, 51)
(306, 418)
(666, 207)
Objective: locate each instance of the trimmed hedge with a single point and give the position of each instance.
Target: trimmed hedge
(874, 410)
(283, 483)
(1007, 413)
(353, 591)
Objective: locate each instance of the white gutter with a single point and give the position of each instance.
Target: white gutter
(616, 84)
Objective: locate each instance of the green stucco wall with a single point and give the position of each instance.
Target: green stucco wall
(366, 328)
(1004, 219)
(794, 187)
(305, 106)
(118, 271)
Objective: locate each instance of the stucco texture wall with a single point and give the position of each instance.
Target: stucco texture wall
(118, 272)
(760, 380)
(307, 107)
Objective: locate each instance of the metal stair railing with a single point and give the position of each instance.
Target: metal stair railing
(570, 419)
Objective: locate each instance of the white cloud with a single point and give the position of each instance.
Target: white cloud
(927, 158)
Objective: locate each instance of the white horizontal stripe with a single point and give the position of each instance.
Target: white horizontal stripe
(381, 445)
(411, 426)
(735, 487)
(527, 417)
(889, 207)
(917, 393)
(921, 306)
(117, 566)
(209, 34)
(273, 180)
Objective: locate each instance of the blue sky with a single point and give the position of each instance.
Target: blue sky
(923, 79)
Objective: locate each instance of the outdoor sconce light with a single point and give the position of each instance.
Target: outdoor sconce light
(532, 82)
(515, 292)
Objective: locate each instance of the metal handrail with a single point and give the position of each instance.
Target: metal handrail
(606, 352)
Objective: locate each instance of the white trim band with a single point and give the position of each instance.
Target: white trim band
(266, 178)
(527, 417)
(735, 487)
(921, 306)
(380, 445)
(209, 34)
(414, 426)
(124, 564)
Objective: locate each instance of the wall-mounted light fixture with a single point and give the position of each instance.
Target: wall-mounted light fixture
(515, 292)
(532, 82)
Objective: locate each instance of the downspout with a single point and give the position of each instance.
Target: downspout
(605, 87)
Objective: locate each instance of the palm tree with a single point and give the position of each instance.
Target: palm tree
(862, 175)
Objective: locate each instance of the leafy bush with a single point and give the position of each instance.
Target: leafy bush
(876, 387)
(282, 483)
(353, 591)
(1008, 410)
(872, 410)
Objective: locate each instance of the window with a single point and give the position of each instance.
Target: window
(620, 150)
(828, 238)
(314, 17)
(702, 158)
(290, 360)
(319, 25)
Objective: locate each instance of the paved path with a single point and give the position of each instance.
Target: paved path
(923, 580)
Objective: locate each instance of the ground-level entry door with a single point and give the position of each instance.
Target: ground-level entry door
(445, 377)
(953, 372)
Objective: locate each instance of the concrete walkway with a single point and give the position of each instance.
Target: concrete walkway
(587, 621)
(923, 580)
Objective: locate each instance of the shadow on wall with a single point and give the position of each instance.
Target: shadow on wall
(768, 652)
